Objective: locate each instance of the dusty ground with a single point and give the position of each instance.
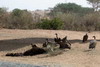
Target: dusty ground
(78, 56)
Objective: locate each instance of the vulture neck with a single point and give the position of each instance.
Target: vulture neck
(94, 38)
(46, 40)
(57, 36)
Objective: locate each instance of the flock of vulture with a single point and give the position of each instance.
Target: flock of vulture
(52, 46)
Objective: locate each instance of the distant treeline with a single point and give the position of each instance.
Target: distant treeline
(67, 16)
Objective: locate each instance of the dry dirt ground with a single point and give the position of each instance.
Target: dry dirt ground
(79, 56)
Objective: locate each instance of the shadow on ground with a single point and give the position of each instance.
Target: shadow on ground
(7, 45)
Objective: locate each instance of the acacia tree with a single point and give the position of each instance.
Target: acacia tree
(95, 4)
(69, 8)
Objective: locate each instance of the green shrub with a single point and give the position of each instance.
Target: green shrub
(45, 24)
(53, 24)
(56, 24)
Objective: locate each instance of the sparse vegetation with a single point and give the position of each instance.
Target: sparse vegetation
(68, 16)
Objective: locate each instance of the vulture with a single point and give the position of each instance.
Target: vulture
(45, 43)
(50, 46)
(93, 43)
(85, 38)
(65, 40)
(64, 43)
(57, 39)
(33, 51)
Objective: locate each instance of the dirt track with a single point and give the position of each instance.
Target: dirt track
(78, 56)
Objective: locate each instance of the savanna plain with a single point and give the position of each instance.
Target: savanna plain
(17, 41)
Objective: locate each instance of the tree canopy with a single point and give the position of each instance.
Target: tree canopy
(95, 4)
(67, 7)
(70, 8)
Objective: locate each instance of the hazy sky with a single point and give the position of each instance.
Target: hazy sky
(37, 4)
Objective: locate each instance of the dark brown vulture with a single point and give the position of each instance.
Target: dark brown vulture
(65, 43)
(45, 43)
(33, 51)
(85, 38)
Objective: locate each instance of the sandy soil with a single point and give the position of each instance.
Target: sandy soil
(79, 56)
